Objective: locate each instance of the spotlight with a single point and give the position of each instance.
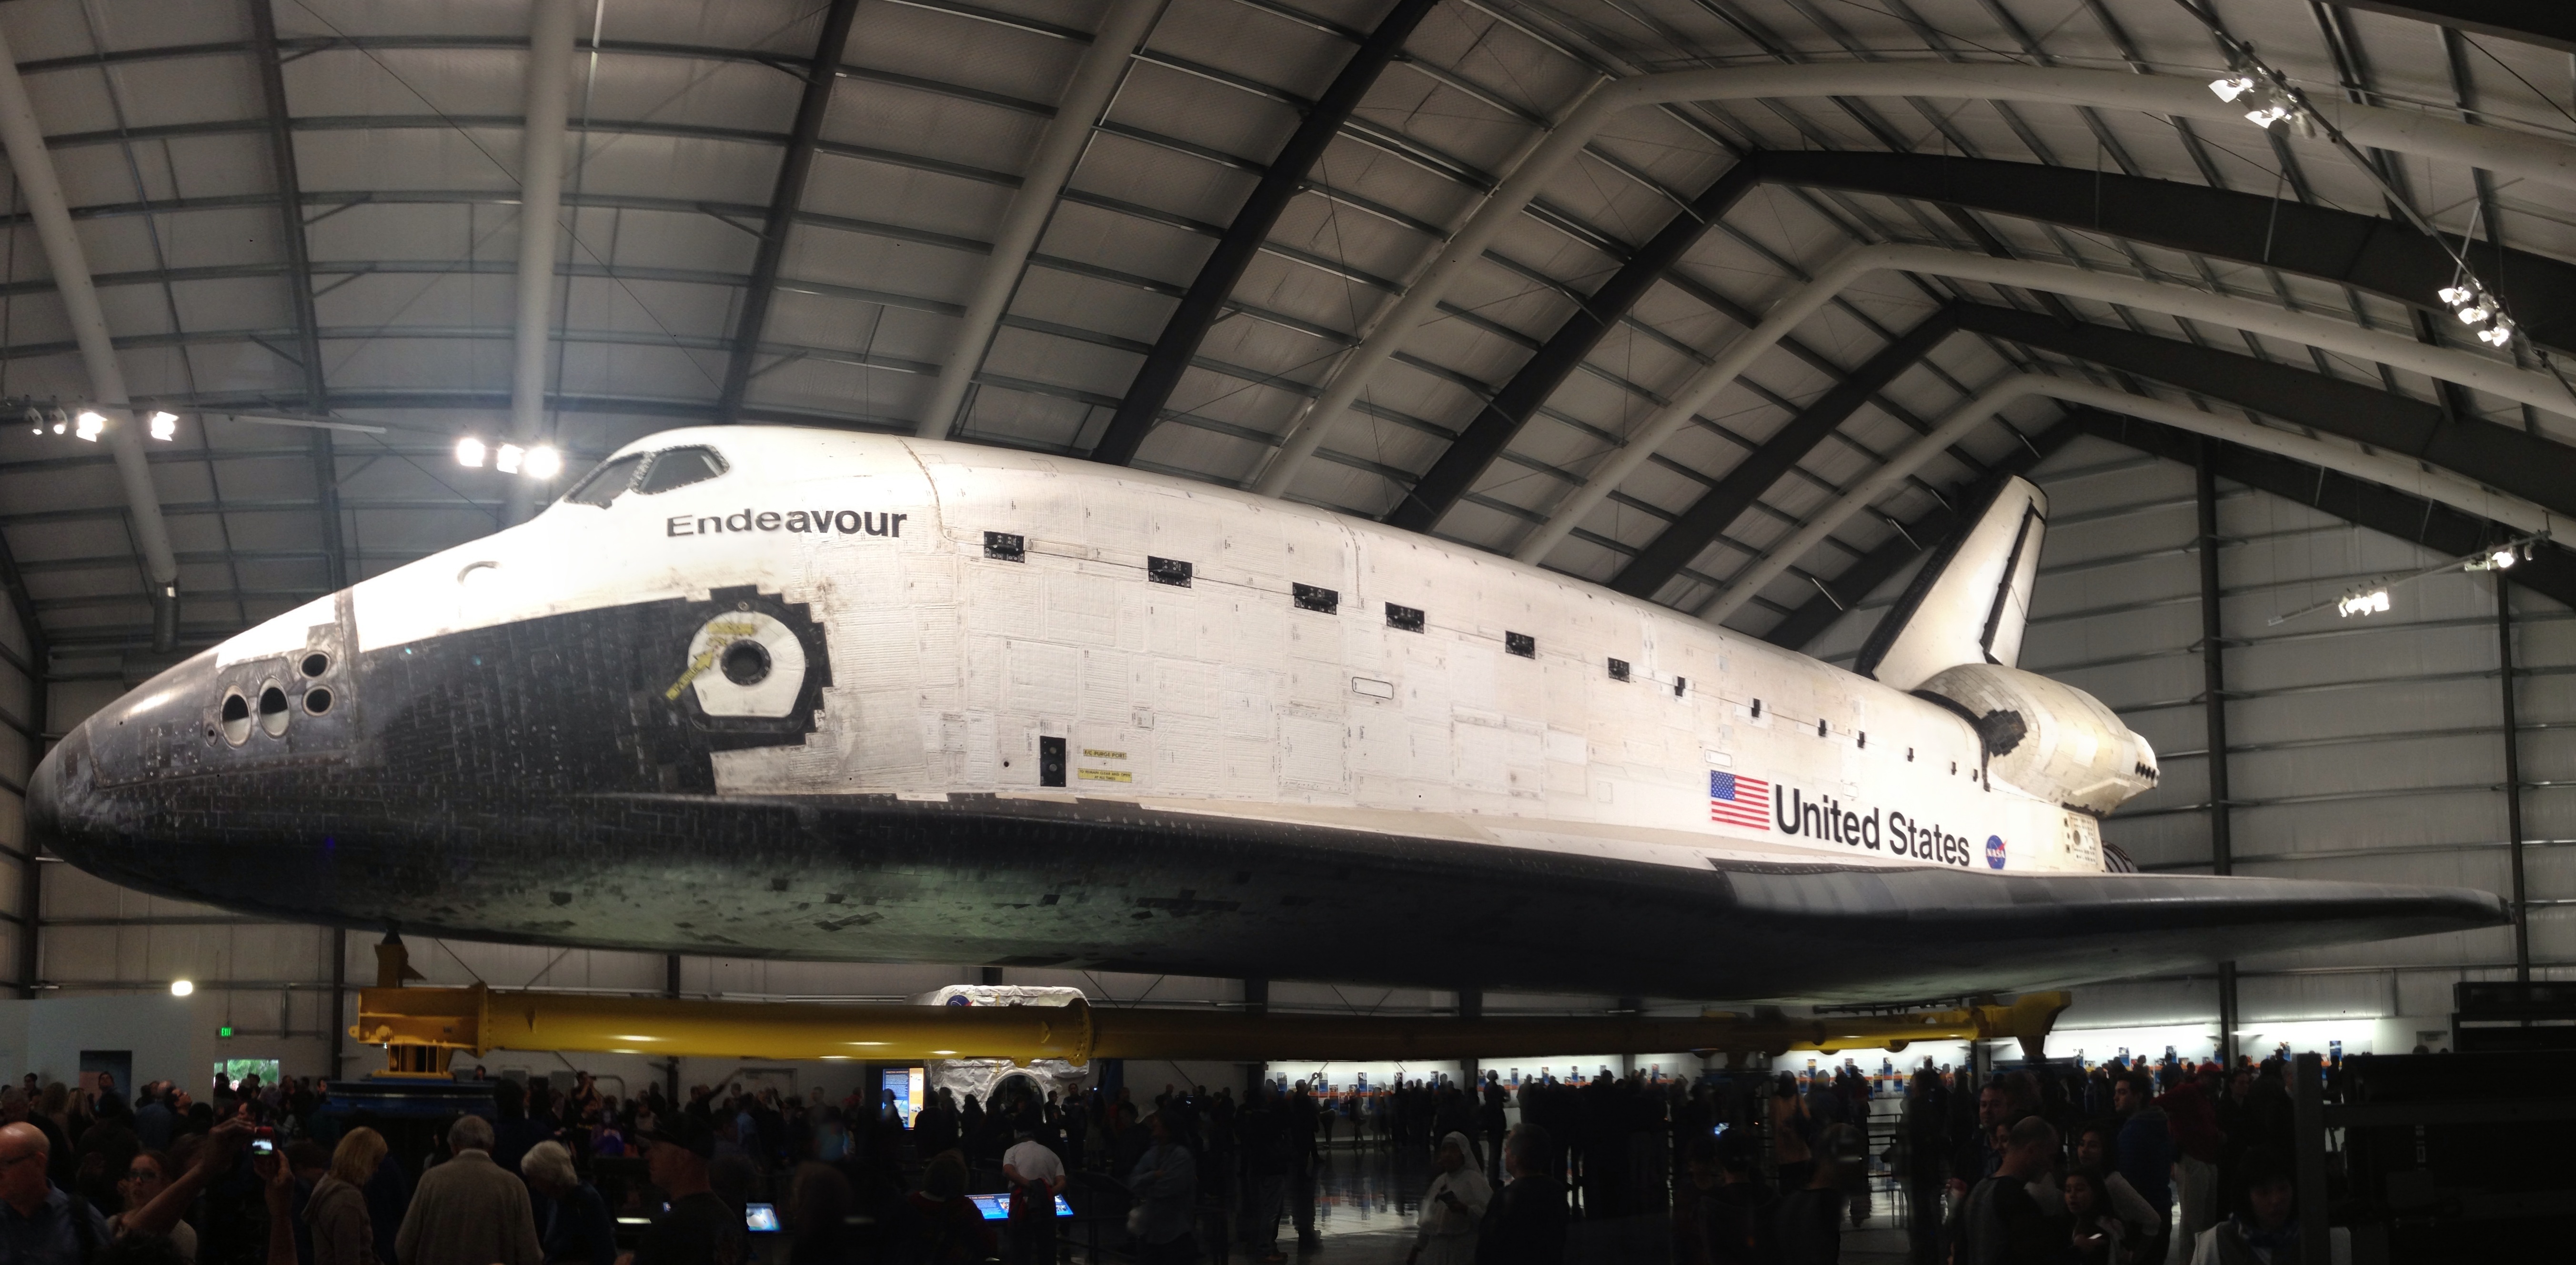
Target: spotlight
(62, 422)
(469, 452)
(2497, 335)
(2501, 558)
(506, 458)
(90, 424)
(542, 463)
(2474, 313)
(2268, 115)
(2373, 602)
(2457, 295)
(2230, 88)
(181, 988)
(34, 418)
(165, 426)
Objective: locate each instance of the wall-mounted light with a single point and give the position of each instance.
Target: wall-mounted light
(506, 458)
(181, 988)
(89, 425)
(2232, 87)
(2374, 602)
(165, 426)
(542, 462)
(469, 452)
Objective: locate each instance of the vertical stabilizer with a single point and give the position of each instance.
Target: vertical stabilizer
(1971, 601)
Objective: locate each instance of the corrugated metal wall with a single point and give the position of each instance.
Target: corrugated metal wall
(2367, 748)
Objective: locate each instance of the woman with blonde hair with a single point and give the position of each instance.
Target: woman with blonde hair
(337, 1211)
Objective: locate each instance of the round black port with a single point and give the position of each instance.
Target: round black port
(236, 718)
(317, 701)
(272, 711)
(746, 663)
(316, 663)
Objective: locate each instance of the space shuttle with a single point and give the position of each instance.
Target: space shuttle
(783, 692)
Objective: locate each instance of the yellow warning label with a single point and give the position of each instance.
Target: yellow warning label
(1107, 775)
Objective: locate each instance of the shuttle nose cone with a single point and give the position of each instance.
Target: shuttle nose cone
(95, 797)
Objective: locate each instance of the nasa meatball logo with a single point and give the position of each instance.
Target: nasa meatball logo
(1994, 852)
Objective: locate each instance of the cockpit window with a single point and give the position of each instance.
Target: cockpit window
(680, 467)
(605, 483)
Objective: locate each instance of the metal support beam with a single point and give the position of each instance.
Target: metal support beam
(30, 871)
(339, 1020)
(2369, 253)
(1930, 531)
(2213, 707)
(2510, 154)
(2213, 657)
(2508, 459)
(1095, 81)
(299, 290)
(2512, 775)
(795, 168)
(1205, 300)
(2548, 23)
(43, 190)
(1485, 438)
(541, 163)
(1707, 518)
(2438, 528)
(2307, 1127)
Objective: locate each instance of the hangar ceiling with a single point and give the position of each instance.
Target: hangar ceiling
(1160, 231)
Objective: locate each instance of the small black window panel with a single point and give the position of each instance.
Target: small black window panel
(1050, 761)
(1522, 644)
(680, 467)
(1820, 726)
(1170, 571)
(1403, 618)
(1757, 709)
(1002, 546)
(1618, 669)
(1322, 601)
(1861, 739)
(1681, 687)
(604, 484)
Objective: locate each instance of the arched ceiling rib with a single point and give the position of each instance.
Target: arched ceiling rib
(309, 208)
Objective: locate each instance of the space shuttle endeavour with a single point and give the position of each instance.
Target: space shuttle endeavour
(801, 693)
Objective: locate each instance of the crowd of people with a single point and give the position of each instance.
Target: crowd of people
(2051, 1165)
(2055, 1164)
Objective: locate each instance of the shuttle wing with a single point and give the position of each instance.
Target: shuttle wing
(1971, 601)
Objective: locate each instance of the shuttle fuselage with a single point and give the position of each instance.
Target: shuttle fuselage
(789, 692)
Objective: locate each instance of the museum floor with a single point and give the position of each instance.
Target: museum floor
(1366, 1215)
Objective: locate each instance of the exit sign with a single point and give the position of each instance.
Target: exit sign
(225, 1032)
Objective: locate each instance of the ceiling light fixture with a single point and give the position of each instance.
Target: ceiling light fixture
(165, 426)
(89, 425)
(506, 458)
(2279, 99)
(2370, 597)
(542, 463)
(469, 452)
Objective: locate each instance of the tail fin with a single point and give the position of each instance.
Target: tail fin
(1971, 601)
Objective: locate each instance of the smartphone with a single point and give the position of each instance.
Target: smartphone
(760, 1218)
(264, 1142)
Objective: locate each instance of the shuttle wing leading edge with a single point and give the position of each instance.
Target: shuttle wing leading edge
(1971, 601)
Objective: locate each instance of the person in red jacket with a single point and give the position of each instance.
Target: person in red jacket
(2191, 1118)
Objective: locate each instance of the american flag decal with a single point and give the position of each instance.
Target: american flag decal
(1735, 800)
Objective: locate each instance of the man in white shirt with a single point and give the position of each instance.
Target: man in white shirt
(1037, 1177)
